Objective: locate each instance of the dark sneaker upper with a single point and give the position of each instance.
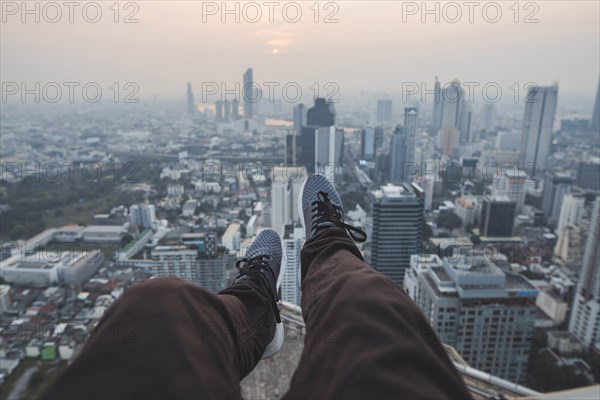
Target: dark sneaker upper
(322, 208)
(262, 263)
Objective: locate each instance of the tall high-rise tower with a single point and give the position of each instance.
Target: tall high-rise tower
(378, 139)
(556, 186)
(497, 216)
(465, 117)
(219, 110)
(585, 317)
(226, 110)
(397, 227)
(142, 215)
(367, 144)
(452, 96)
(437, 107)
(293, 240)
(249, 94)
(299, 117)
(451, 117)
(512, 184)
(280, 204)
(321, 114)
(384, 111)
(286, 184)
(292, 145)
(191, 109)
(403, 148)
(595, 121)
(571, 211)
(536, 136)
(235, 109)
(588, 173)
(489, 117)
(320, 144)
(482, 311)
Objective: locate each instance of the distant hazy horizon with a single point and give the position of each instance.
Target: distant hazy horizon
(369, 49)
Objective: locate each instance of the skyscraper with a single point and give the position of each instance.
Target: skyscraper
(329, 149)
(556, 186)
(452, 119)
(320, 143)
(211, 273)
(280, 204)
(588, 173)
(497, 216)
(218, 111)
(226, 110)
(304, 147)
(570, 244)
(322, 114)
(452, 97)
(235, 109)
(378, 139)
(571, 211)
(489, 117)
(367, 144)
(294, 139)
(184, 263)
(448, 141)
(397, 227)
(299, 117)
(293, 240)
(191, 108)
(285, 187)
(536, 136)
(485, 313)
(403, 148)
(437, 107)
(142, 215)
(464, 122)
(585, 317)
(512, 184)
(384, 111)
(249, 94)
(291, 139)
(176, 261)
(595, 121)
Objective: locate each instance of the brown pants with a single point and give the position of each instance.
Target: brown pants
(165, 338)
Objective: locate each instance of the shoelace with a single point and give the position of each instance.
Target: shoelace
(325, 211)
(253, 267)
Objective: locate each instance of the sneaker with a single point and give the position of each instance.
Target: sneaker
(263, 262)
(320, 207)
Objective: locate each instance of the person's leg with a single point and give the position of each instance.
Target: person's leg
(364, 337)
(166, 338)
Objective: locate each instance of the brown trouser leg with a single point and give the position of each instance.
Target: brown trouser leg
(169, 339)
(364, 337)
(165, 338)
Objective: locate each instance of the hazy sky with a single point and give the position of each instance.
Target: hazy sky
(370, 48)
